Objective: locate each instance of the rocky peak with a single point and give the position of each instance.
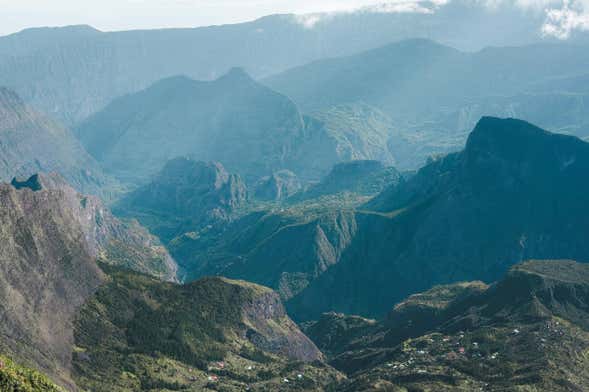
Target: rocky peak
(279, 185)
(200, 193)
(512, 142)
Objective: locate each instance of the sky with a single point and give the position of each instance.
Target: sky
(562, 16)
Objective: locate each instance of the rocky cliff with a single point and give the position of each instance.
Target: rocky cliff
(51, 237)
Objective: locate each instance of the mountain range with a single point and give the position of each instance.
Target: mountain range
(389, 199)
(512, 194)
(248, 128)
(406, 81)
(72, 72)
(72, 306)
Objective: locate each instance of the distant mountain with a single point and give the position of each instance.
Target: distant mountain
(211, 334)
(30, 142)
(186, 193)
(277, 186)
(51, 237)
(365, 178)
(434, 94)
(72, 72)
(526, 331)
(250, 129)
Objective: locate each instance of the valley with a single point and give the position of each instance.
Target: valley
(383, 197)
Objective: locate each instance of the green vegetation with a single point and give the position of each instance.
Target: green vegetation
(16, 378)
(139, 334)
(527, 332)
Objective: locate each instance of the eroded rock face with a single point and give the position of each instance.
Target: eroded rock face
(278, 186)
(47, 270)
(191, 189)
(51, 237)
(272, 330)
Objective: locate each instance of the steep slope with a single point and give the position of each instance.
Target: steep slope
(408, 80)
(186, 194)
(75, 71)
(213, 334)
(233, 120)
(51, 236)
(526, 332)
(516, 192)
(30, 143)
(285, 248)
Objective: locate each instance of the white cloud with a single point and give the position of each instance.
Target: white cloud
(571, 16)
(563, 17)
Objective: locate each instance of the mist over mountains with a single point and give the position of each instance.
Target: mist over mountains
(385, 199)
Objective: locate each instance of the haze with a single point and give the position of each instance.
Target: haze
(561, 16)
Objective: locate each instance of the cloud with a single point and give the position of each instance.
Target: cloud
(571, 16)
(310, 20)
(562, 17)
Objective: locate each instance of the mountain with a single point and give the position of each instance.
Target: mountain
(51, 237)
(186, 193)
(250, 129)
(83, 299)
(526, 332)
(137, 333)
(72, 72)
(515, 192)
(30, 142)
(406, 81)
(277, 186)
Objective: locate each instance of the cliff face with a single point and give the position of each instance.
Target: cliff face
(46, 273)
(30, 142)
(51, 237)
